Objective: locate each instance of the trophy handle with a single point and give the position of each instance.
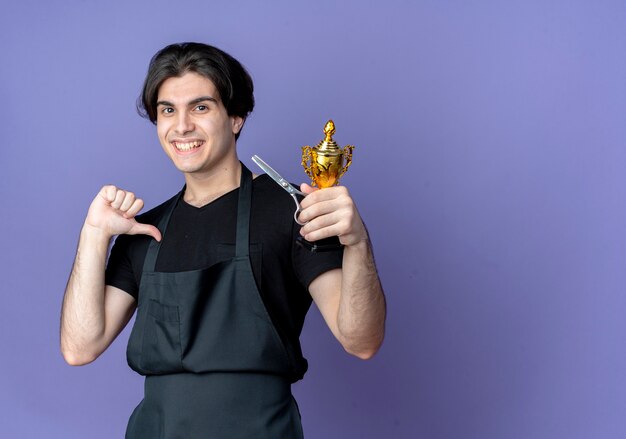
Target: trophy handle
(347, 155)
(307, 161)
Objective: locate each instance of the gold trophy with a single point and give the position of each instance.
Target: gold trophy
(324, 164)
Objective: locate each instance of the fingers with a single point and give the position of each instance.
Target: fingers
(127, 202)
(307, 189)
(330, 221)
(320, 202)
(315, 195)
(108, 193)
(317, 210)
(124, 201)
(331, 212)
(119, 198)
(322, 227)
(134, 208)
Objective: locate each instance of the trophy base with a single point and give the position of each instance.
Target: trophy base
(323, 245)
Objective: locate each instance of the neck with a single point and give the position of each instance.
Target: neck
(206, 187)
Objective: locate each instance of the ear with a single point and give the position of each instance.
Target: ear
(236, 123)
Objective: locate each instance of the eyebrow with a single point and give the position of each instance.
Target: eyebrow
(192, 102)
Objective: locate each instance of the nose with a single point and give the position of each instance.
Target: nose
(184, 123)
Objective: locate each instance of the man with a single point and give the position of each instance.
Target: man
(220, 286)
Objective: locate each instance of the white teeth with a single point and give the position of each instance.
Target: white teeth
(187, 146)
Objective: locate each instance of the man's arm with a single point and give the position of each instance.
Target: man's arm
(351, 299)
(92, 314)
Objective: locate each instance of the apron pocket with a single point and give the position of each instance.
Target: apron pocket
(161, 349)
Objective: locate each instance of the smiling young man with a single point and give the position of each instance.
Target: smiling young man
(220, 286)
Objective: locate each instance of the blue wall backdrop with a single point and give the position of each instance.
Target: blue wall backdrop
(490, 168)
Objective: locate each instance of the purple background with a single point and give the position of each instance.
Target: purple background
(490, 168)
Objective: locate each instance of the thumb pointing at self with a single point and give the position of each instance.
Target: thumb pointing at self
(145, 229)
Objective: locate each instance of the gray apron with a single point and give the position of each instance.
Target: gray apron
(214, 363)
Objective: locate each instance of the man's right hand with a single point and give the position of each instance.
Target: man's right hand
(113, 212)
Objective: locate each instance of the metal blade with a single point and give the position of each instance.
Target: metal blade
(276, 176)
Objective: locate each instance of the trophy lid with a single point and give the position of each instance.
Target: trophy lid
(328, 144)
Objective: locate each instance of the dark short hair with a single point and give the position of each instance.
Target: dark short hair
(230, 78)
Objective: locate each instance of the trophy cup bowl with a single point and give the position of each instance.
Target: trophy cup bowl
(326, 162)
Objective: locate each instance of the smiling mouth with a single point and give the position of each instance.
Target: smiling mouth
(187, 146)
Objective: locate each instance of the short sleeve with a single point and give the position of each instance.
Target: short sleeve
(308, 265)
(119, 271)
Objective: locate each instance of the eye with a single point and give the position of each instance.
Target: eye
(167, 110)
(202, 107)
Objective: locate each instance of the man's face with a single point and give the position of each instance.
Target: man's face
(193, 126)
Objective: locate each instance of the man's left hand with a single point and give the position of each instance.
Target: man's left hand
(330, 212)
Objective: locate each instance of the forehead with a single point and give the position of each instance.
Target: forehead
(191, 85)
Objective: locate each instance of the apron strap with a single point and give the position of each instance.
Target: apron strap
(243, 221)
(153, 248)
(243, 213)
